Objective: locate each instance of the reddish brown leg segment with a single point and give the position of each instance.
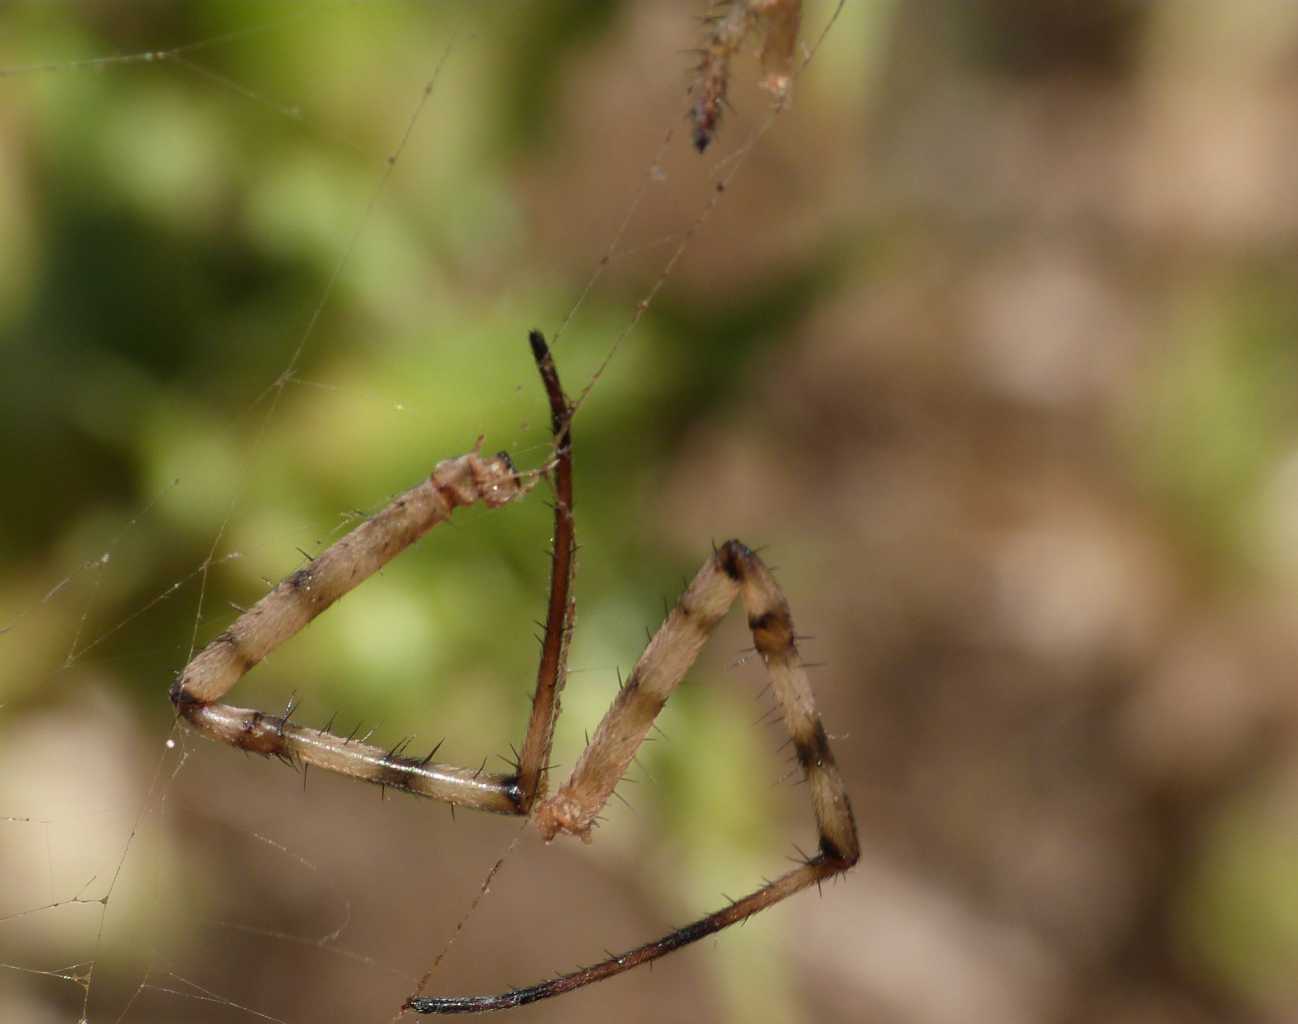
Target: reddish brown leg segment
(733, 571)
(559, 614)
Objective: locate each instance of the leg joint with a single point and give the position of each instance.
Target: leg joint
(184, 701)
(840, 859)
(772, 630)
(733, 557)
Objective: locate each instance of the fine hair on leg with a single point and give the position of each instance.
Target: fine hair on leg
(308, 592)
(733, 571)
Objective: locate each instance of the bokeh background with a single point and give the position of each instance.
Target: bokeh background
(990, 341)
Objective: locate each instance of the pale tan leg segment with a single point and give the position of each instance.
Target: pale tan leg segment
(305, 594)
(297, 600)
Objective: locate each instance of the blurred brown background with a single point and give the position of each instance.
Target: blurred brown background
(990, 342)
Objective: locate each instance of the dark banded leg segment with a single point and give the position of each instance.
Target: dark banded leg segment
(733, 572)
(815, 870)
(302, 596)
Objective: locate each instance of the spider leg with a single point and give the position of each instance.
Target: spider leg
(815, 870)
(298, 599)
(733, 572)
(726, 31)
(306, 593)
(535, 756)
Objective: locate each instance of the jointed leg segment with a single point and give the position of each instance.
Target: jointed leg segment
(298, 599)
(733, 572)
(532, 761)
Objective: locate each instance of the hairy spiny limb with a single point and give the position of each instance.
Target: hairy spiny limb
(303, 595)
(732, 572)
(259, 733)
(308, 592)
(550, 670)
(727, 26)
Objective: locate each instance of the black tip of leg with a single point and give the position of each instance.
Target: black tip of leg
(732, 556)
(539, 348)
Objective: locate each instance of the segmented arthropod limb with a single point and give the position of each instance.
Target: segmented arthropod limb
(727, 26)
(733, 574)
(287, 609)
